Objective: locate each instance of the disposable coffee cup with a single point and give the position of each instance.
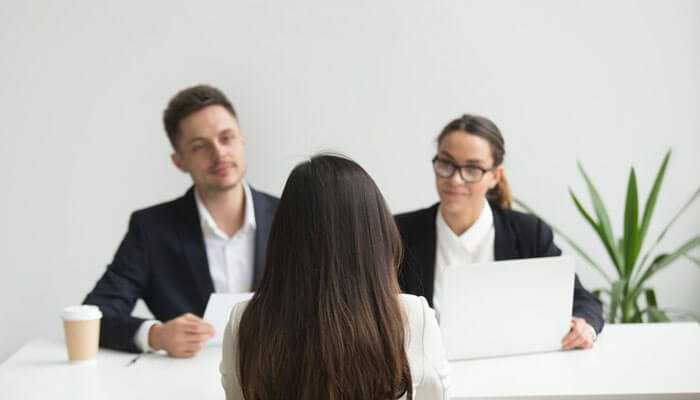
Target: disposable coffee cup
(81, 325)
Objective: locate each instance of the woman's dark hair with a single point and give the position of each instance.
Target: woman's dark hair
(326, 322)
(485, 129)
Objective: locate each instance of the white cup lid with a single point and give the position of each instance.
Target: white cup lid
(81, 313)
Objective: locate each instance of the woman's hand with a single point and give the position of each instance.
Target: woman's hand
(581, 335)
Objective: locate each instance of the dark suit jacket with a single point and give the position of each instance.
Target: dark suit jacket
(517, 235)
(162, 260)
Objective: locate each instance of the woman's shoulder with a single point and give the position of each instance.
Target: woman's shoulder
(412, 216)
(412, 301)
(237, 312)
(521, 220)
(424, 349)
(415, 224)
(415, 308)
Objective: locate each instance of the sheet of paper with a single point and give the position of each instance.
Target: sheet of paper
(218, 311)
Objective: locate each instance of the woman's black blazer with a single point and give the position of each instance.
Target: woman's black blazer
(517, 235)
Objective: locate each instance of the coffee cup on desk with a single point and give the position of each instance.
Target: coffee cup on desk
(81, 325)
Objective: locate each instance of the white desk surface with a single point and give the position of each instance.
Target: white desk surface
(628, 362)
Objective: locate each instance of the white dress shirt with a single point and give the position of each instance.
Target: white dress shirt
(231, 259)
(476, 245)
(423, 344)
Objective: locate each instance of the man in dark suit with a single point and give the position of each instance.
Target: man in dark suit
(175, 254)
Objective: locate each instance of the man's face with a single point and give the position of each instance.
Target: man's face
(210, 148)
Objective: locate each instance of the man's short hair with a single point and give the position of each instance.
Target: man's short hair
(189, 101)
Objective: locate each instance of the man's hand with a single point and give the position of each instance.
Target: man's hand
(581, 335)
(182, 337)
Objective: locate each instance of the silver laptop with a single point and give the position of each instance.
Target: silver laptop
(506, 307)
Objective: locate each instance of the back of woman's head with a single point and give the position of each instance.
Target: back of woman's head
(326, 322)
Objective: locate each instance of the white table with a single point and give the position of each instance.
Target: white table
(629, 362)
(636, 361)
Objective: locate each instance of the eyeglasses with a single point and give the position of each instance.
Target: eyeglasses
(468, 173)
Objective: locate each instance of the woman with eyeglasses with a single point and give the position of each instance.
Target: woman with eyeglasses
(328, 320)
(474, 222)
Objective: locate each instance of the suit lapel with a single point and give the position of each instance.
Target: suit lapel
(192, 239)
(505, 240)
(425, 252)
(424, 248)
(263, 220)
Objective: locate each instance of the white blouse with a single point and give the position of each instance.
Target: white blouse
(424, 350)
(476, 245)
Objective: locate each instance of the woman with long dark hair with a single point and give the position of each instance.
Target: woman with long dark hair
(473, 222)
(328, 320)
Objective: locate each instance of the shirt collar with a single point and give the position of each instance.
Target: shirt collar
(472, 238)
(207, 221)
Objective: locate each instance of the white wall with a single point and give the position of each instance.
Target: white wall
(83, 85)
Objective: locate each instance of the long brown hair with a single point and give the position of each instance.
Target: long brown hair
(326, 322)
(485, 128)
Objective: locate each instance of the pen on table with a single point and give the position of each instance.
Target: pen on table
(133, 360)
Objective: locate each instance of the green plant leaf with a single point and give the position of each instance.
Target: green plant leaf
(664, 260)
(629, 306)
(583, 211)
(621, 246)
(615, 299)
(637, 317)
(605, 230)
(680, 212)
(656, 315)
(630, 238)
(653, 196)
(599, 292)
(598, 230)
(568, 240)
(650, 296)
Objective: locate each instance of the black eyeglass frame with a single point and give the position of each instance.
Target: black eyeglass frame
(461, 168)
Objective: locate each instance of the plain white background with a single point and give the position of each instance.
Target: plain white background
(83, 86)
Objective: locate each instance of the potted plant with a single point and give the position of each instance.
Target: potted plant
(631, 283)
